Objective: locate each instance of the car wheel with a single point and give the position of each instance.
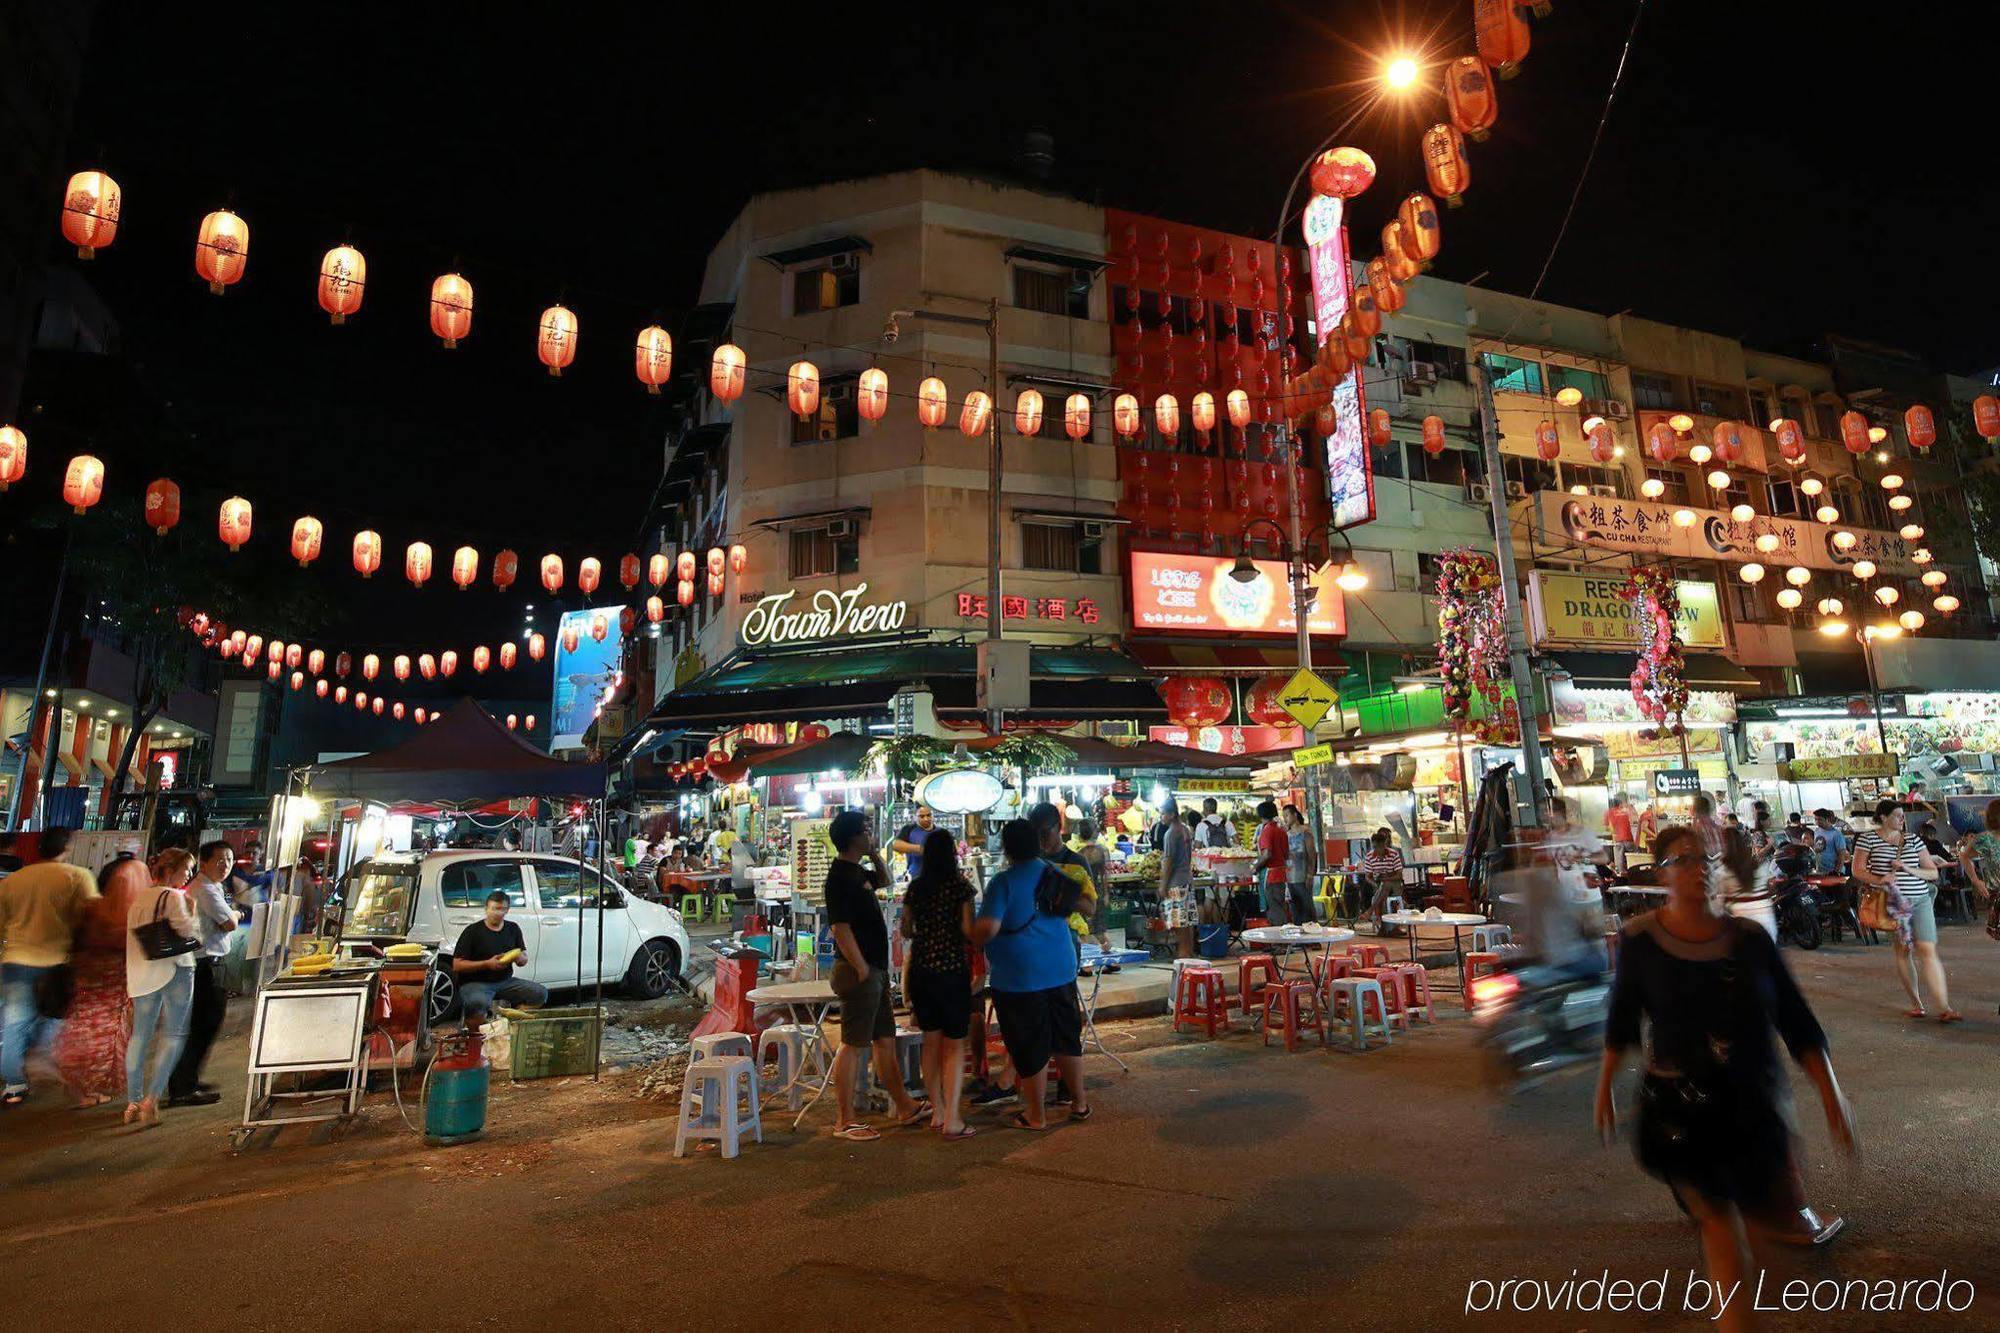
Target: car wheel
(441, 994)
(653, 971)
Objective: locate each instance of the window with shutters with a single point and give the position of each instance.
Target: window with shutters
(1052, 291)
(816, 552)
(828, 286)
(1060, 547)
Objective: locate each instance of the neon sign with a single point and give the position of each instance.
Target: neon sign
(830, 615)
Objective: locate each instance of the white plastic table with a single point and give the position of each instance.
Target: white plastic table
(1456, 920)
(807, 1003)
(1299, 937)
(1096, 962)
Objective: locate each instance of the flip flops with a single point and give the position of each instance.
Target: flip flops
(954, 1136)
(857, 1133)
(1951, 1016)
(1019, 1120)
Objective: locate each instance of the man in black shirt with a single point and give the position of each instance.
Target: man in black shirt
(483, 963)
(861, 975)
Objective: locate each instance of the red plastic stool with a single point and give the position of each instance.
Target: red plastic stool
(1339, 965)
(1416, 980)
(1296, 1004)
(1199, 999)
(1395, 1009)
(1477, 965)
(1369, 955)
(1248, 971)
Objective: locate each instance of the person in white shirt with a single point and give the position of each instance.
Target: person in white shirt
(217, 921)
(162, 989)
(1214, 829)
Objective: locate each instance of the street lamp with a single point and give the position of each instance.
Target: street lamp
(1866, 636)
(1400, 72)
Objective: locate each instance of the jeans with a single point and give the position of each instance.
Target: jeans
(21, 1025)
(159, 1028)
(478, 997)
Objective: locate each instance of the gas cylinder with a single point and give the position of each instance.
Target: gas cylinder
(455, 1107)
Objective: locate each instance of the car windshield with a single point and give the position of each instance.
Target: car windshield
(379, 900)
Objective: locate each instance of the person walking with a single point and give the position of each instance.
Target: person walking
(1176, 857)
(90, 1052)
(1299, 866)
(40, 908)
(1712, 1110)
(861, 977)
(1890, 858)
(209, 896)
(161, 989)
(937, 920)
(1021, 923)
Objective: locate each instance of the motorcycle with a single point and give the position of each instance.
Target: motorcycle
(1531, 1027)
(1798, 912)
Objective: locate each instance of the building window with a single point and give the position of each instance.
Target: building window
(817, 552)
(1600, 480)
(1052, 291)
(1061, 547)
(828, 287)
(1719, 400)
(1530, 473)
(1826, 420)
(838, 417)
(1655, 392)
(1511, 374)
(1786, 500)
(1761, 415)
(1450, 467)
(1448, 361)
(1588, 382)
(1389, 459)
(1747, 602)
(1736, 493)
(1674, 480)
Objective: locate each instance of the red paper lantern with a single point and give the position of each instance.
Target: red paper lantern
(505, 566)
(1125, 415)
(1445, 166)
(222, 250)
(375, 705)
(802, 388)
(272, 668)
(726, 373)
(252, 645)
(1986, 417)
(340, 694)
(90, 211)
(316, 661)
(464, 567)
(447, 664)
(555, 339)
(1468, 91)
(571, 637)
(1366, 317)
(320, 688)
(371, 667)
(1603, 444)
(1791, 439)
(1201, 412)
(427, 666)
(1389, 294)
(684, 593)
(656, 610)
(397, 711)
(1919, 427)
(684, 565)
(1237, 403)
(1379, 432)
(589, 573)
(628, 571)
(1854, 432)
(163, 505)
(537, 647)
(529, 722)
(658, 567)
(419, 715)
(1167, 416)
(653, 357)
(1261, 704)
(628, 620)
(1028, 412)
(482, 657)
(1728, 438)
(402, 666)
(599, 627)
(343, 665)
(343, 277)
(552, 573)
(295, 654)
(306, 533)
(1418, 229)
(717, 561)
(83, 482)
(932, 403)
(1401, 266)
(13, 456)
(1342, 172)
(715, 585)
(1548, 442)
(1501, 34)
(451, 308)
(1661, 443)
(417, 563)
(232, 522)
(1076, 416)
(1433, 436)
(1195, 701)
(367, 552)
(975, 415)
(507, 657)
(738, 558)
(871, 394)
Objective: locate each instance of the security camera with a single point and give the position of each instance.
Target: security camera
(891, 330)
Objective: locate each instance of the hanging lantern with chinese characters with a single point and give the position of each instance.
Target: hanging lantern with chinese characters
(417, 563)
(1445, 168)
(90, 211)
(726, 373)
(1661, 443)
(1468, 92)
(1791, 439)
(871, 394)
(508, 656)
(343, 665)
(222, 250)
(1028, 412)
(1728, 437)
(451, 308)
(552, 573)
(1548, 443)
(658, 567)
(1237, 401)
(427, 666)
(505, 566)
(232, 522)
(482, 658)
(464, 567)
(1262, 704)
(371, 666)
(1919, 427)
(321, 688)
(1201, 412)
(83, 482)
(340, 694)
(974, 416)
(555, 339)
(1076, 416)
(716, 560)
(628, 571)
(1433, 436)
(628, 620)
(1986, 417)
(402, 666)
(932, 403)
(1501, 35)
(589, 573)
(1389, 294)
(1397, 259)
(367, 552)
(1854, 432)
(1195, 701)
(343, 277)
(1167, 416)
(739, 558)
(653, 357)
(306, 535)
(685, 565)
(1379, 432)
(802, 389)
(684, 592)
(295, 654)
(1603, 442)
(1342, 172)
(163, 505)
(656, 610)
(1125, 415)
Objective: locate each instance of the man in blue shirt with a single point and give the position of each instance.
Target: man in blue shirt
(1829, 842)
(1032, 968)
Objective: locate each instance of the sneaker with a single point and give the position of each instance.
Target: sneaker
(990, 1095)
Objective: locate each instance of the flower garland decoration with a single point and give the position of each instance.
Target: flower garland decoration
(1472, 637)
(1659, 682)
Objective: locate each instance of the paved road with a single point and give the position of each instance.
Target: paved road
(1221, 1186)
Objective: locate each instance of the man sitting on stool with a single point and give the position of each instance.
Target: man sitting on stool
(483, 962)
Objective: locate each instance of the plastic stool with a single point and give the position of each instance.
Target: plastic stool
(1488, 939)
(710, 1103)
(1353, 994)
(1199, 999)
(1416, 979)
(1297, 1005)
(718, 1043)
(1389, 978)
(1249, 970)
(1183, 965)
(793, 1045)
(1477, 965)
(1369, 955)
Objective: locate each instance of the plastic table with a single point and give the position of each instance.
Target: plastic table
(811, 1001)
(1299, 937)
(1096, 962)
(1456, 920)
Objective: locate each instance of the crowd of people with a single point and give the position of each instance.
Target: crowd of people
(117, 973)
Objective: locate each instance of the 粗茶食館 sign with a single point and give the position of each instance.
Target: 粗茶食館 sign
(1650, 527)
(1594, 609)
(773, 622)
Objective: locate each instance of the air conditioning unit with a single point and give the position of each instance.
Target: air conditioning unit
(826, 433)
(1481, 493)
(1516, 491)
(1423, 372)
(1606, 492)
(839, 529)
(1094, 532)
(845, 263)
(1615, 410)
(841, 391)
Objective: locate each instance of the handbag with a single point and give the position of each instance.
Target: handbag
(158, 939)
(1873, 913)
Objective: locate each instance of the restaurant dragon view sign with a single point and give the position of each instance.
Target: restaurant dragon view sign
(1649, 527)
(772, 622)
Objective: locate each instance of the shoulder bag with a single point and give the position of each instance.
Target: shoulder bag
(158, 939)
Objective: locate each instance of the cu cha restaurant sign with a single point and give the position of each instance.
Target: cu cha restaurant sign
(831, 614)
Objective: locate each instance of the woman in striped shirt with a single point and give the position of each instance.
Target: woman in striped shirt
(1888, 857)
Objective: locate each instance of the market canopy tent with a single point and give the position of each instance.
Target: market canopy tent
(467, 756)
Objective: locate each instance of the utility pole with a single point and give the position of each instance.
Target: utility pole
(1528, 803)
(35, 701)
(1286, 443)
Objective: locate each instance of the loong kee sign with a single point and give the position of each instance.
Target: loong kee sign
(830, 615)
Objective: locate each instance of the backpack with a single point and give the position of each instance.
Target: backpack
(1057, 894)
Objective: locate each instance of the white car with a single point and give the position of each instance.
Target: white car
(432, 897)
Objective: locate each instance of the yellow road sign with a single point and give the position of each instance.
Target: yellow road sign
(1307, 698)
(1312, 756)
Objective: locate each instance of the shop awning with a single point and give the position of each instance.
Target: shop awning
(839, 753)
(1092, 752)
(1234, 657)
(1704, 671)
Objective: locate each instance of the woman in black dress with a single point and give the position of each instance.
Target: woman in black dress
(1712, 1112)
(937, 919)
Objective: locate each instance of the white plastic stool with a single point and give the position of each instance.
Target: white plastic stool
(1488, 939)
(795, 1046)
(711, 1103)
(1181, 965)
(718, 1043)
(1393, 903)
(1354, 993)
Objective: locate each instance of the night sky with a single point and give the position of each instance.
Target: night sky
(1766, 174)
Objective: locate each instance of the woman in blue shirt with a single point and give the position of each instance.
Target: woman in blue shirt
(1032, 976)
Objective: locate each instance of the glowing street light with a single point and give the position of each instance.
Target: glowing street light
(1400, 72)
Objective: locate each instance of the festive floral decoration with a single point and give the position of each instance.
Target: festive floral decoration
(1659, 685)
(1472, 637)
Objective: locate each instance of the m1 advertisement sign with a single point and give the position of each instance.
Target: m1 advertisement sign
(1177, 593)
(582, 673)
(1350, 471)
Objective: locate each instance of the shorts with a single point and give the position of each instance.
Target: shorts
(1038, 1023)
(1923, 917)
(940, 1001)
(865, 1012)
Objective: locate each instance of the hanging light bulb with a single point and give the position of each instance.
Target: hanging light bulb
(1789, 598)
(1751, 573)
(1652, 488)
(1798, 576)
(1685, 518)
(1864, 570)
(1742, 513)
(1911, 621)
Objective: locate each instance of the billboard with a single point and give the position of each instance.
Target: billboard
(1657, 528)
(1350, 471)
(1194, 594)
(582, 673)
(1594, 609)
